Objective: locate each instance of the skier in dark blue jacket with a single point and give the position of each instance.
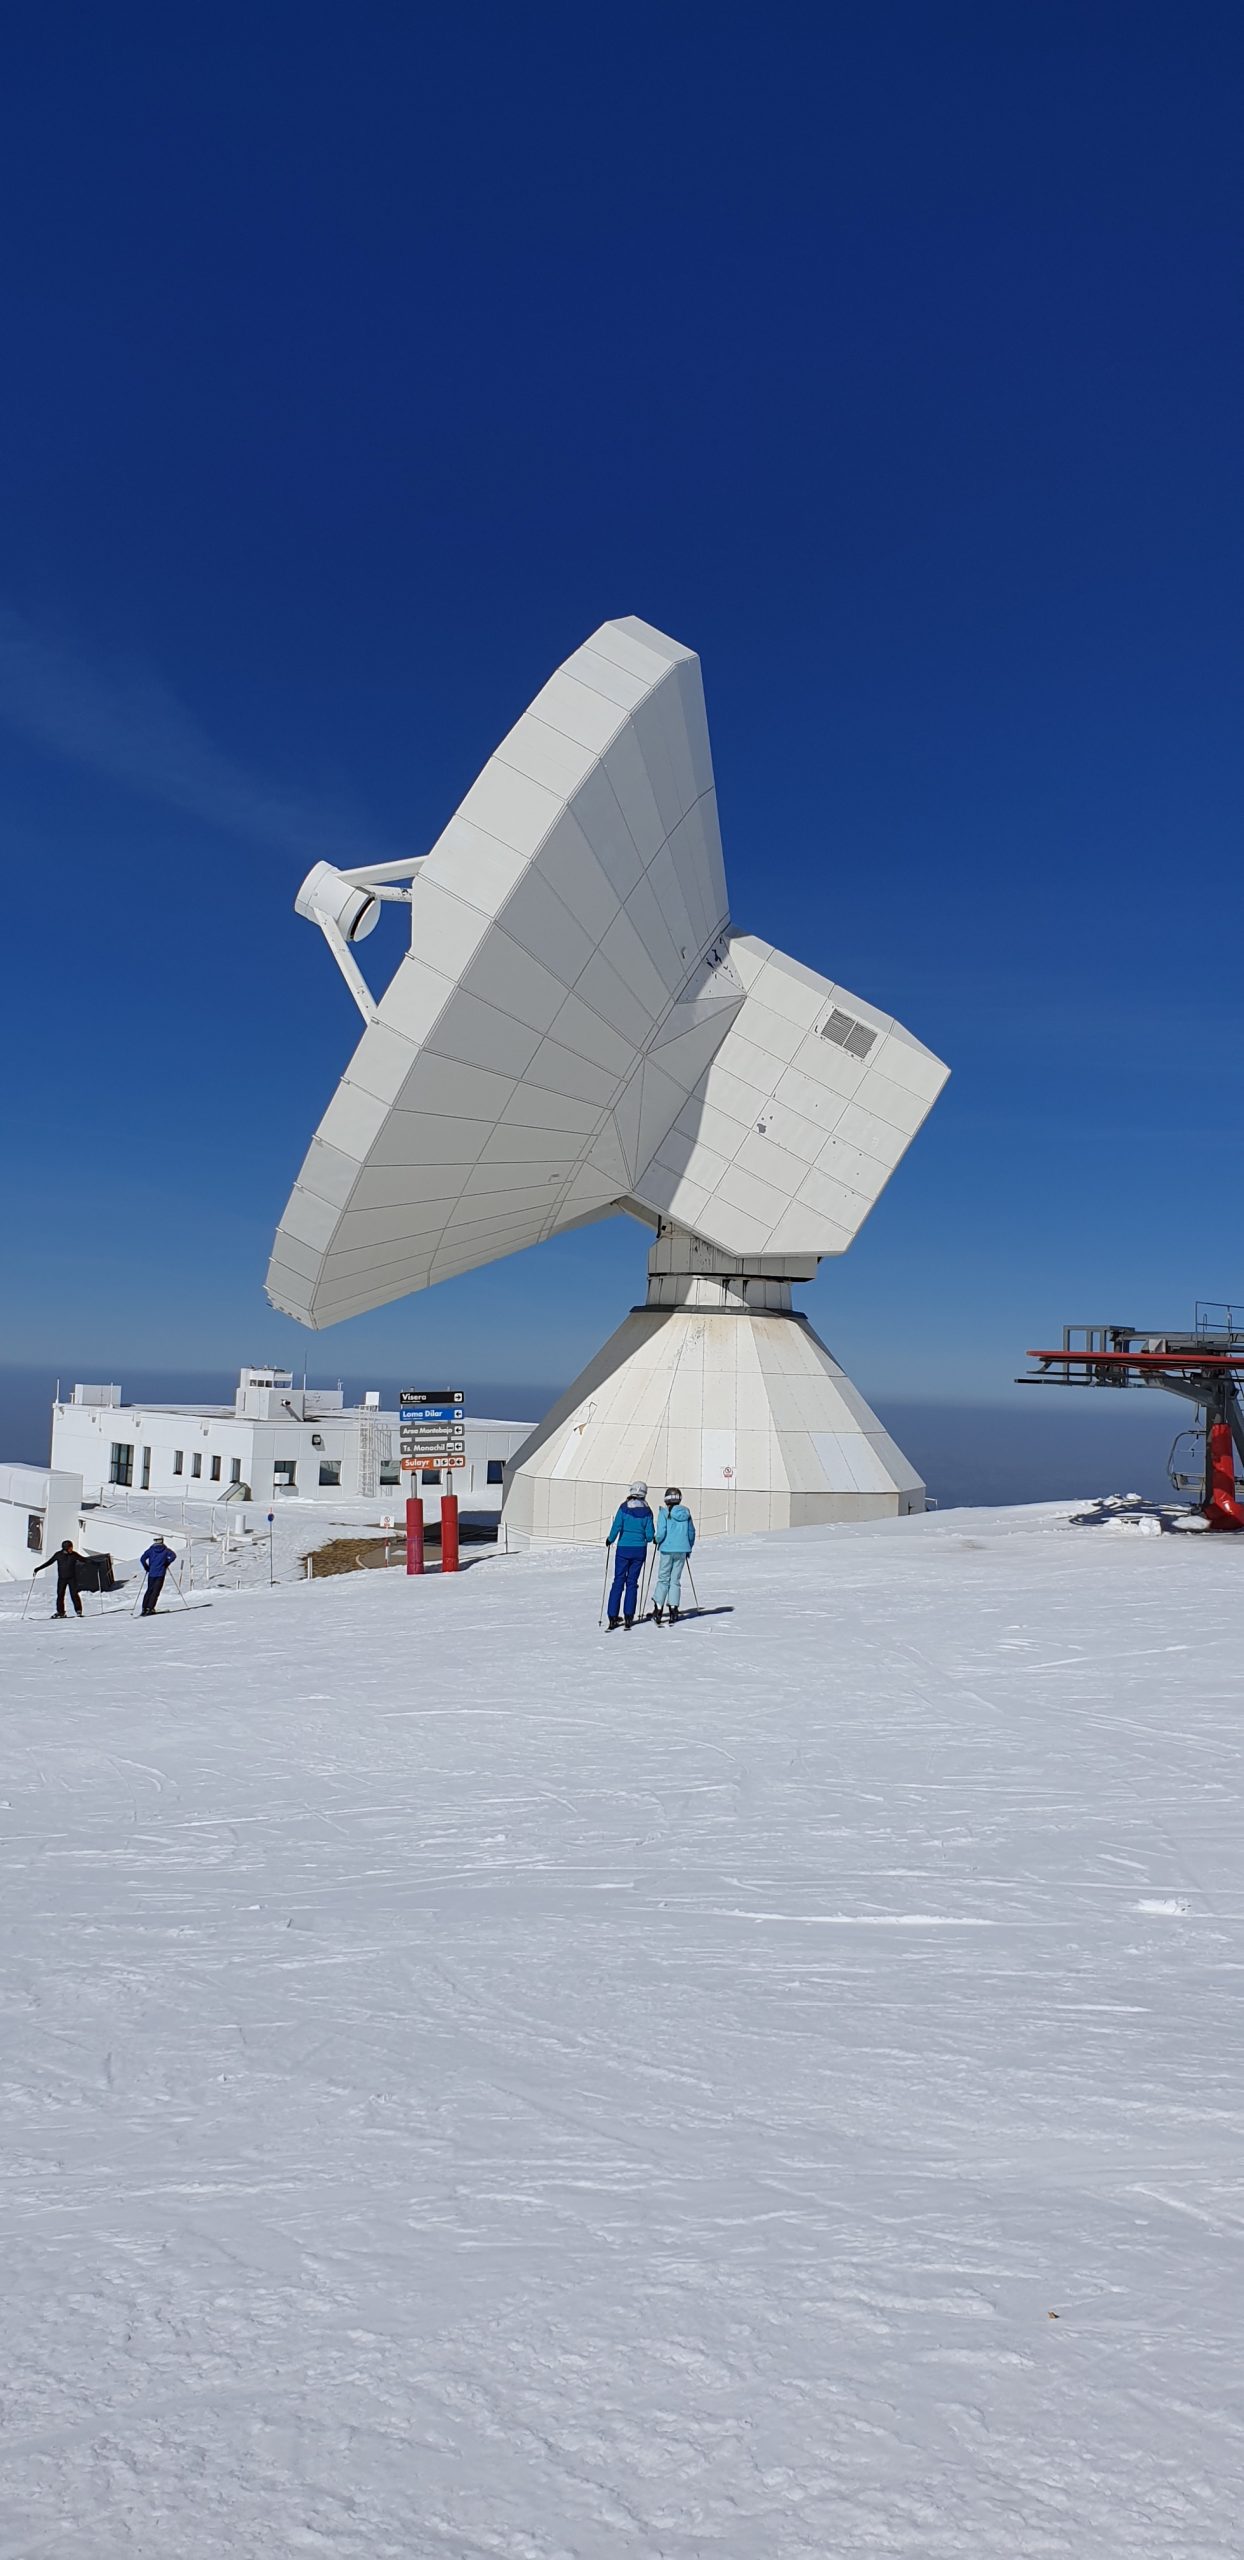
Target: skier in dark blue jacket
(155, 1564)
(632, 1533)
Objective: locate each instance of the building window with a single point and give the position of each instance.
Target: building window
(235, 1470)
(121, 1470)
(146, 1483)
(330, 1471)
(177, 1462)
(34, 1531)
(496, 1471)
(390, 1471)
(196, 1462)
(215, 1471)
(284, 1475)
(431, 1475)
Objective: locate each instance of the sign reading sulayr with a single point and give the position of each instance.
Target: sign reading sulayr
(576, 1029)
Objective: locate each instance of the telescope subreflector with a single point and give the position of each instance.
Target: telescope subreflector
(578, 1029)
(328, 898)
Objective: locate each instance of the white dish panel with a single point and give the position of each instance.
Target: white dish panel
(577, 1028)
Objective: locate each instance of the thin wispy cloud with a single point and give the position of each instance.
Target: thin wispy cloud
(122, 720)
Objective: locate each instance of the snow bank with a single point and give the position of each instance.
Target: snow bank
(766, 2089)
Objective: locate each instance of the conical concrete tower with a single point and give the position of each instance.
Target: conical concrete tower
(717, 1385)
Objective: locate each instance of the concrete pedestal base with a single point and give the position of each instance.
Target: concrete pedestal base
(715, 1386)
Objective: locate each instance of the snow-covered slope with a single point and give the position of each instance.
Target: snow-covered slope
(476, 2086)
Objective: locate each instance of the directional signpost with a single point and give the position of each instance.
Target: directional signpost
(432, 1432)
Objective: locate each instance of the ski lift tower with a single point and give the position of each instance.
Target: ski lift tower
(1205, 1367)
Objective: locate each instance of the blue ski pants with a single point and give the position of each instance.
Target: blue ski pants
(668, 1592)
(626, 1573)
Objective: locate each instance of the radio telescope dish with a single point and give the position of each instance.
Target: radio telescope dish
(577, 1029)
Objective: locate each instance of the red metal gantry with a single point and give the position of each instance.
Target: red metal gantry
(1205, 1367)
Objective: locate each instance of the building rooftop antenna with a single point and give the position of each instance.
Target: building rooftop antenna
(578, 1028)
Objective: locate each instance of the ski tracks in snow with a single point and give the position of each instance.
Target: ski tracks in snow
(769, 2088)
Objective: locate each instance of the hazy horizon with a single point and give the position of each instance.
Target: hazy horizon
(1039, 1447)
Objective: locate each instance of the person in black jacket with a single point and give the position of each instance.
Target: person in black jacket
(66, 1561)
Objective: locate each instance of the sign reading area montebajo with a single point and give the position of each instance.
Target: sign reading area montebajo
(432, 1427)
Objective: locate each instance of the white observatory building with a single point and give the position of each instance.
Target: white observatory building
(276, 1442)
(577, 1029)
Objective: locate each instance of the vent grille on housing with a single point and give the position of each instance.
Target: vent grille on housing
(855, 1037)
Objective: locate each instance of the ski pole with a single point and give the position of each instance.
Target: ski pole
(604, 1588)
(694, 1593)
(30, 1595)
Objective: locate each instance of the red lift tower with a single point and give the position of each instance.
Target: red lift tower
(1205, 1367)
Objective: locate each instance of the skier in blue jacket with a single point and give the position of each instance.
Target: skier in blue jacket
(632, 1533)
(155, 1564)
(675, 1540)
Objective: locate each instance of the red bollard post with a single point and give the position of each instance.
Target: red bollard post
(449, 1533)
(414, 1534)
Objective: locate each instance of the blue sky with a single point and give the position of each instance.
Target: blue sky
(359, 363)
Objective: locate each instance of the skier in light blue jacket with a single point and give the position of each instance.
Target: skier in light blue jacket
(675, 1539)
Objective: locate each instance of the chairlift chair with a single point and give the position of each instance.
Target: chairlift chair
(1187, 1471)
